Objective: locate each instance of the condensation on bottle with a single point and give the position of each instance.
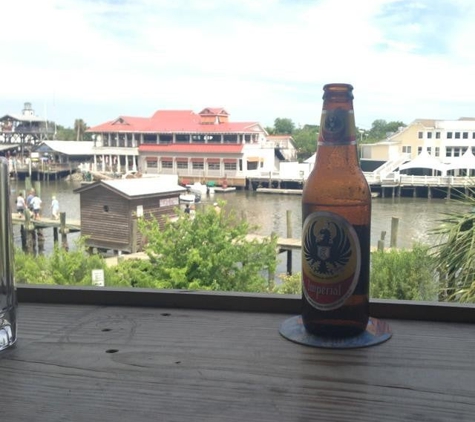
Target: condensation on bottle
(336, 216)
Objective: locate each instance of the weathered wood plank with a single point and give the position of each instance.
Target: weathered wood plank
(91, 363)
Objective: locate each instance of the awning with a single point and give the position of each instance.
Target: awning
(254, 159)
(197, 160)
(154, 159)
(166, 158)
(230, 160)
(181, 159)
(213, 160)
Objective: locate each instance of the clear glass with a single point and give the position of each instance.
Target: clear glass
(8, 300)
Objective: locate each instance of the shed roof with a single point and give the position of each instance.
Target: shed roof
(67, 147)
(131, 188)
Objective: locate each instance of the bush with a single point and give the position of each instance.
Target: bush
(403, 274)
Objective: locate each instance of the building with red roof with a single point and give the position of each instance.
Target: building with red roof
(204, 146)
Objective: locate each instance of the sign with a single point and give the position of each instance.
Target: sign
(98, 278)
(139, 210)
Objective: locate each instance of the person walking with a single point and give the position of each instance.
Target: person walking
(54, 208)
(29, 198)
(20, 205)
(36, 204)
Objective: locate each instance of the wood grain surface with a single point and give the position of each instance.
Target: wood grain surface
(108, 363)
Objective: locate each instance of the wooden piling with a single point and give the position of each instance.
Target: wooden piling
(394, 230)
(63, 230)
(289, 235)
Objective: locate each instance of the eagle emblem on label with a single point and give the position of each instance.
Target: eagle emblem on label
(331, 260)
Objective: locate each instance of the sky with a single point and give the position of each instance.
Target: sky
(260, 60)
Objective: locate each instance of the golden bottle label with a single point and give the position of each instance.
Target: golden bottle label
(336, 127)
(331, 260)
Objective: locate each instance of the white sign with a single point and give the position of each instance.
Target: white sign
(98, 278)
(139, 210)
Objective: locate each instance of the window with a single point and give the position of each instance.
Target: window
(167, 164)
(152, 164)
(456, 152)
(437, 151)
(429, 135)
(230, 166)
(406, 149)
(182, 165)
(449, 135)
(182, 139)
(465, 135)
(198, 165)
(420, 135)
(457, 135)
(419, 150)
(149, 138)
(214, 166)
(429, 150)
(437, 135)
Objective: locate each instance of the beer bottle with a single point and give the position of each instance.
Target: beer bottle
(336, 216)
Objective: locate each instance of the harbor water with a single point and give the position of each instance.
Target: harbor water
(268, 212)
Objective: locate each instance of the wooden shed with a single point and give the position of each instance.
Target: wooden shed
(110, 208)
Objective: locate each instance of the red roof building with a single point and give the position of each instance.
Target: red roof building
(198, 147)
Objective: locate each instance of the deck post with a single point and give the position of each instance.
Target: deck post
(289, 235)
(63, 230)
(394, 230)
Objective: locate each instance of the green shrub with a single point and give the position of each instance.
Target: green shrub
(403, 274)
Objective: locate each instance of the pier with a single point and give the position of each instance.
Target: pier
(32, 230)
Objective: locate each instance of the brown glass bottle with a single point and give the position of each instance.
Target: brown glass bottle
(336, 216)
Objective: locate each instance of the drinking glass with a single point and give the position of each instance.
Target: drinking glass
(8, 300)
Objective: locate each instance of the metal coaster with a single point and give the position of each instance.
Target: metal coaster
(376, 332)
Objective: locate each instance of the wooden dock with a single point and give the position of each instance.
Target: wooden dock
(71, 226)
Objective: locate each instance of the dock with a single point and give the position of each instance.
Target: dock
(71, 226)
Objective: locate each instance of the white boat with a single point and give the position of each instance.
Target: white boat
(220, 189)
(198, 187)
(190, 197)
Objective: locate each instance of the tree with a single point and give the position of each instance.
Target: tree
(64, 134)
(380, 129)
(208, 252)
(283, 126)
(306, 141)
(80, 128)
(455, 254)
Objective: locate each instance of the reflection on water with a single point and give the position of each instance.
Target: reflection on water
(269, 212)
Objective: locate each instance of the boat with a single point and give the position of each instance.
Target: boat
(198, 187)
(190, 197)
(220, 189)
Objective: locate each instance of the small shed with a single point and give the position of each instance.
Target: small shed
(109, 209)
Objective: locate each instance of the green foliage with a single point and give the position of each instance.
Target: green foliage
(65, 134)
(455, 254)
(62, 267)
(290, 285)
(306, 141)
(283, 126)
(208, 252)
(380, 130)
(403, 274)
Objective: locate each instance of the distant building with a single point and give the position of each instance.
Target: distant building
(19, 132)
(439, 142)
(197, 147)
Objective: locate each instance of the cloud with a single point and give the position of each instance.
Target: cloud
(259, 60)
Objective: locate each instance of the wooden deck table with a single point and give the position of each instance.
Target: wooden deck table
(87, 359)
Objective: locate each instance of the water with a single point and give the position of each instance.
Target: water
(269, 212)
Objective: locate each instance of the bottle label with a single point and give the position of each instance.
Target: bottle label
(331, 260)
(336, 129)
